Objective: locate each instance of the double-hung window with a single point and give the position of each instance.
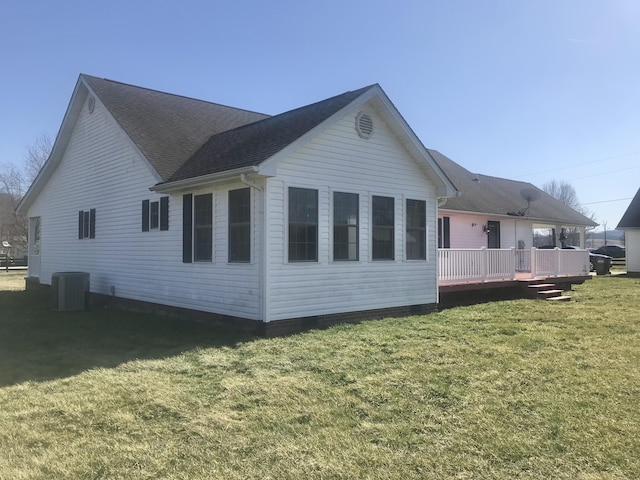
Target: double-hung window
(203, 227)
(383, 221)
(240, 225)
(416, 230)
(303, 225)
(87, 224)
(155, 215)
(345, 226)
(197, 228)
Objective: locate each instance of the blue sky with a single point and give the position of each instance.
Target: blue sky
(527, 90)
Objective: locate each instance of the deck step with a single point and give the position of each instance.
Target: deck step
(550, 293)
(560, 298)
(543, 286)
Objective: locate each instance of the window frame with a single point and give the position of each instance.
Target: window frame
(240, 226)
(86, 224)
(444, 232)
(203, 233)
(161, 215)
(415, 231)
(347, 227)
(306, 248)
(378, 229)
(154, 215)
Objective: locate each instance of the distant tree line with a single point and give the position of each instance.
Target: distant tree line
(15, 180)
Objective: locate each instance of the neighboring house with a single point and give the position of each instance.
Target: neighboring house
(630, 223)
(321, 214)
(12, 229)
(495, 212)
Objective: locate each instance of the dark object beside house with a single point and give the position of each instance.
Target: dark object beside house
(614, 251)
(599, 263)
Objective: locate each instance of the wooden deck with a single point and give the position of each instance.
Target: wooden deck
(469, 293)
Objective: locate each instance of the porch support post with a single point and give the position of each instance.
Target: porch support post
(556, 241)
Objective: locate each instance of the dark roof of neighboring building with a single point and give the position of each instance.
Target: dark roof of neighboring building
(253, 143)
(501, 196)
(631, 217)
(168, 129)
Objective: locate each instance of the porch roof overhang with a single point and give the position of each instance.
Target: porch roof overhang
(539, 220)
(213, 178)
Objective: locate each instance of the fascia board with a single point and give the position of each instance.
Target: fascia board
(195, 182)
(59, 146)
(444, 186)
(80, 93)
(546, 221)
(152, 170)
(269, 166)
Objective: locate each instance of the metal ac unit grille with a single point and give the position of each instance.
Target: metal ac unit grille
(69, 290)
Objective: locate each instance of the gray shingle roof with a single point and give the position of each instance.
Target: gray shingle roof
(251, 144)
(501, 196)
(168, 129)
(631, 217)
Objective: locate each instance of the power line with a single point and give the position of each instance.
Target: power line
(607, 201)
(579, 165)
(600, 174)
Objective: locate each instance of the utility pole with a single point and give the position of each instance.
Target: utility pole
(605, 232)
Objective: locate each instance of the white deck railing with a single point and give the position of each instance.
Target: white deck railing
(457, 265)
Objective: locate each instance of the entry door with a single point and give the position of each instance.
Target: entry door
(34, 247)
(493, 236)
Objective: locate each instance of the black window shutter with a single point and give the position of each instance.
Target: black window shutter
(80, 224)
(92, 223)
(145, 215)
(187, 228)
(164, 213)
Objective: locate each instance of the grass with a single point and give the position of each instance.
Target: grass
(520, 389)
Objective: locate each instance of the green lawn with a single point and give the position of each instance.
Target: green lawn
(507, 390)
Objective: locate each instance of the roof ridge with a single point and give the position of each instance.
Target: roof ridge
(186, 97)
(293, 110)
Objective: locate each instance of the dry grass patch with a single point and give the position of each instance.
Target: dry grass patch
(519, 389)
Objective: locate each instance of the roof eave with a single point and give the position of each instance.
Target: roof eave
(80, 93)
(203, 180)
(548, 221)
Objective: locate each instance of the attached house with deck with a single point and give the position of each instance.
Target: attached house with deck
(318, 215)
(488, 233)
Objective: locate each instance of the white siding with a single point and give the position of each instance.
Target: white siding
(101, 169)
(632, 243)
(466, 230)
(339, 160)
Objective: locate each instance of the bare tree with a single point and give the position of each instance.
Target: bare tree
(36, 155)
(14, 182)
(565, 192)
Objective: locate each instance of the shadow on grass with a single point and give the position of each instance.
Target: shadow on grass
(39, 344)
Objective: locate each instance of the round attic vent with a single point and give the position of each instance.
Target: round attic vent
(91, 104)
(364, 125)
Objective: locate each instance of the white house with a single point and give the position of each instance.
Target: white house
(494, 212)
(322, 214)
(630, 223)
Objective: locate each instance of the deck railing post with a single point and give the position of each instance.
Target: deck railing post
(534, 266)
(558, 262)
(513, 264)
(485, 263)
